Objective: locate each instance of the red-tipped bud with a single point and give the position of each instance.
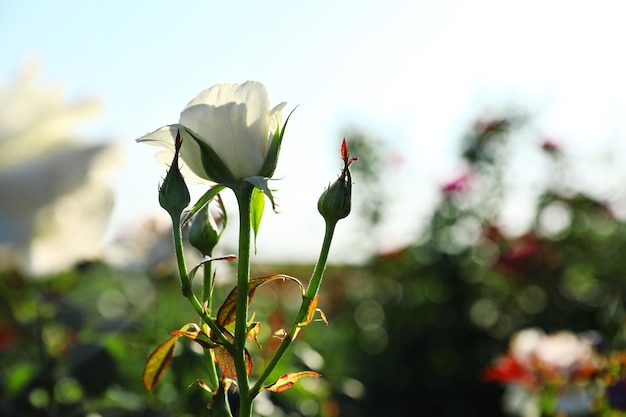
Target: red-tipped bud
(336, 201)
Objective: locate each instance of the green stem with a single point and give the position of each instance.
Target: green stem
(320, 266)
(244, 199)
(207, 298)
(310, 294)
(185, 284)
(207, 285)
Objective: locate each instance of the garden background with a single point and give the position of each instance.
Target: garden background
(488, 195)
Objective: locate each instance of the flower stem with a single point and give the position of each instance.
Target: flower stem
(320, 266)
(185, 283)
(207, 285)
(310, 294)
(244, 199)
(207, 298)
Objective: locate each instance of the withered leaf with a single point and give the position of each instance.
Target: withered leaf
(227, 311)
(312, 309)
(227, 363)
(253, 333)
(286, 381)
(197, 336)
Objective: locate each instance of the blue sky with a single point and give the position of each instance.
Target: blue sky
(412, 72)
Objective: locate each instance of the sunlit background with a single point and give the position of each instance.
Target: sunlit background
(413, 74)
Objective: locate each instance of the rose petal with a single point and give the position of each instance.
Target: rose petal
(234, 120)
(189, 152)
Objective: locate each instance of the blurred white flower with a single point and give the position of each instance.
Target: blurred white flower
(55, 204)
(560, 350)
(524, 343)
(564, 349)
(540, 365)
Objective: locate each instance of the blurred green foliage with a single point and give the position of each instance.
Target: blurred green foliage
(75, 344)
(426, 319)
(409, 332)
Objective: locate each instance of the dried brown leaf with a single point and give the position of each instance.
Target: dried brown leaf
(227, 363)
(286, 381)
(310, 314)
(253, 333)
(197, 336)
(280, 334)
(227, 311)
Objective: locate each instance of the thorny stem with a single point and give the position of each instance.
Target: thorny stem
(185, 283)
(244, 199)
(207, 300)
(237, 348)
(310, 294)
(207, 285)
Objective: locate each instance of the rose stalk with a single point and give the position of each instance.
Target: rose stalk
(230, 137)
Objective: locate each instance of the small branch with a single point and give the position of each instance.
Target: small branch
(185, 283)
(310, 294)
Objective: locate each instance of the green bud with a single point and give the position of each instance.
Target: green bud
(204, 233)
(173, 193)
(336, 201)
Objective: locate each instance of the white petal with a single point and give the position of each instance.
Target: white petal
(164, 136)
(224, 93)
(276, 121)
(234, 120)
(189, 152)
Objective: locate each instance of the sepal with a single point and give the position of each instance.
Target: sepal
(173, 193)
(271, 159)
(213, 166)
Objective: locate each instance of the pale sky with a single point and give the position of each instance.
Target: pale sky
(412, 72)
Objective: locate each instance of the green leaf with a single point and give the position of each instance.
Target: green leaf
(286, 381)
(258, 205)
(261, 184)
(157, 363)
(227, 311)
(206, 198)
